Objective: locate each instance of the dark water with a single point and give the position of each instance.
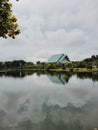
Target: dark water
(30, 101)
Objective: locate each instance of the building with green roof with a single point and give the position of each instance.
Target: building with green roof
(58, 58)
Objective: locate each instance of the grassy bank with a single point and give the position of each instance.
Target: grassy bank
(84, 70)
(74, 70)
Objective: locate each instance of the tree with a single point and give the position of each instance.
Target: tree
(93, 57)
(8, 22)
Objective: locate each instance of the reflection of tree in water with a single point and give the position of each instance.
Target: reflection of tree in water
(55, 77)
(61, 118)
(49, 123)
(16, 74)
(26, 125)
(90, 75)
(23, 107)
(59, 122)
(71, 117)
(57, 118)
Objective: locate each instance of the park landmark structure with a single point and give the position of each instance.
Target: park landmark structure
(58, 58)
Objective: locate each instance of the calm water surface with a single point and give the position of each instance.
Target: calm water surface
(48, 101)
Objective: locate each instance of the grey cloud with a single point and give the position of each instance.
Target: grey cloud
(51, 26)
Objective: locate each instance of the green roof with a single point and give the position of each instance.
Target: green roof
(61, 58)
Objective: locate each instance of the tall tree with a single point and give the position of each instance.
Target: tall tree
(8, 22)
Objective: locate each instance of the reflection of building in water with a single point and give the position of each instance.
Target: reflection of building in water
(59, 78)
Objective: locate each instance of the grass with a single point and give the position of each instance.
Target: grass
(76, 70)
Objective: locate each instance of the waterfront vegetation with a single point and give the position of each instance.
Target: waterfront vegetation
(86, 65)
(45, 96)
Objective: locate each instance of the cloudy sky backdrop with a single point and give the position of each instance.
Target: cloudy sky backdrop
(53, 26)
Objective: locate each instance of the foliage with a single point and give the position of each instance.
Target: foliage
(8, 22)
(84, 65)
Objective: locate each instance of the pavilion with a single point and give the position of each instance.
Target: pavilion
(58, 58)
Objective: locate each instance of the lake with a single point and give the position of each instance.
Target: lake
(52, 101)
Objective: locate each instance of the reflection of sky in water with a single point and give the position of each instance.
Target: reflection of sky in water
(28, 97)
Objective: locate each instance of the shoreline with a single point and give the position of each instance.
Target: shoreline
(73, 70)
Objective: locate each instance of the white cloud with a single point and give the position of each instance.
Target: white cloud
(53, 26)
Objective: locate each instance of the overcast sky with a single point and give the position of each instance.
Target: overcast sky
(53, 26)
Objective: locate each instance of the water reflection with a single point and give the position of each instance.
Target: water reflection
(93, 76)
(16, 74)
(58, 118)
(55, 77)
(33, 103)
(60, 78)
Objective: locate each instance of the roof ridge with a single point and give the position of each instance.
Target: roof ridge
(60, 56)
